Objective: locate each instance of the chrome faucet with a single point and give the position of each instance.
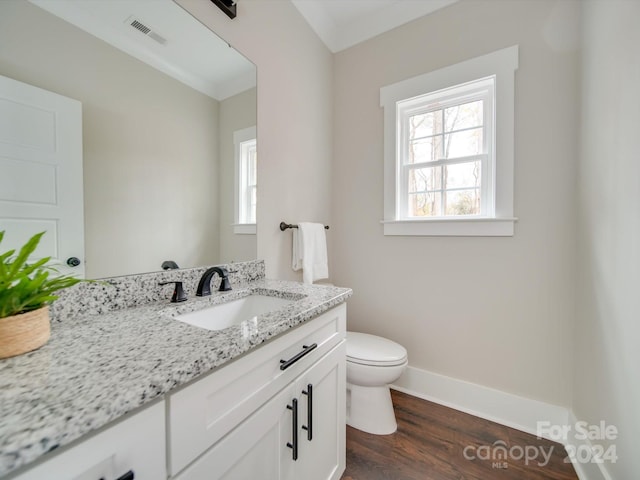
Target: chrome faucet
(204, 286)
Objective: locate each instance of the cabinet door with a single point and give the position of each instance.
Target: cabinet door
(321, 418)
(257, 448)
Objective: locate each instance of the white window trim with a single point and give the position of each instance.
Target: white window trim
(501, 64)
(240, 136)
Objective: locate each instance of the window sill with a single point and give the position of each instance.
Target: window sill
(451, 227)
(244, 228)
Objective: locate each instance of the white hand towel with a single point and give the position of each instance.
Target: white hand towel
(296, 255)
(310, 251)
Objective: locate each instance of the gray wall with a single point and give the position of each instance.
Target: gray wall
(294, 118)
(492, 311)
(607, 325)
(236, 113)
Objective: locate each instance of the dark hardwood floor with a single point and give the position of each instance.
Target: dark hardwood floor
(438, 443)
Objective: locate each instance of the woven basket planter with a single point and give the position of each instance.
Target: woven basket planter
(24, 332)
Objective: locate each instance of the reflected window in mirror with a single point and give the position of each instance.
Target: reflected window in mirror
(246, 157)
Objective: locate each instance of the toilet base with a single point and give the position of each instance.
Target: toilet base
(370, 409)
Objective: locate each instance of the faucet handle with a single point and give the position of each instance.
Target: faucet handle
(225, 284)
(178, 292)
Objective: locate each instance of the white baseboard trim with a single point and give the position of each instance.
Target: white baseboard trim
(504, 408)
(497, 406)
(586, 470)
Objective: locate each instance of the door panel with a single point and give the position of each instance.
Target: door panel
(23, 181)
(41, 172)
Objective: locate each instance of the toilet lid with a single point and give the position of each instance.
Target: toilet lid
(373, 350)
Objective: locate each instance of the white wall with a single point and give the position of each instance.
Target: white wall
(294, 117)
(607, 326)
(492, 311)
(236, 113)
(150, 144)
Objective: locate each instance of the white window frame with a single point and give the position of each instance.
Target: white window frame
(497, 218)
(241, 194)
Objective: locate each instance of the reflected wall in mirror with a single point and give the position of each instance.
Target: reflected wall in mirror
(158, 146)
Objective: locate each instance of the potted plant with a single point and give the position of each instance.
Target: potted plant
(26, 290)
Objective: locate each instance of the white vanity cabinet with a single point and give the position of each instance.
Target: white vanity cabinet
(246, 420)
(275, 444)
(133, 449)
(251, 419)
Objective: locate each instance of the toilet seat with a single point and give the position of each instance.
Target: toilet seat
(365, 349)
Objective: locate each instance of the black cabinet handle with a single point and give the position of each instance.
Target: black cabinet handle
(305, 349)
(294, 429)
(127, 476)
(309, 426)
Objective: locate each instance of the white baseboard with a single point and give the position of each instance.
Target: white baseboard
(587, 471)
(504, 408)
(497, 406)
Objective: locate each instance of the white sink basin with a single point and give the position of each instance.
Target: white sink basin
(224, 315)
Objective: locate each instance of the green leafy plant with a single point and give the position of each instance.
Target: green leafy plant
(28, 286)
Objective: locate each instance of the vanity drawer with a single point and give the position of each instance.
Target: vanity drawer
(202, 413)
(134, 444)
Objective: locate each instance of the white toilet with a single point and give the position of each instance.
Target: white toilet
(372, 364)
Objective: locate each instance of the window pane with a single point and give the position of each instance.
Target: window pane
(463, 202)
(252, 207)
(247, 177)
(424, 204)
(425, 150)
(423, 179)
(462, 116)
(252, 160)
(425, 124)
(463, 144)
(462, 175)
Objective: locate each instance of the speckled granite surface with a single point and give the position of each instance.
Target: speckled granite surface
(97, 367)
(134, 290)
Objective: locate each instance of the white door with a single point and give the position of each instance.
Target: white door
(41, 173)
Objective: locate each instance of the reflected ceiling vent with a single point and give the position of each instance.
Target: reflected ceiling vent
(145, 29)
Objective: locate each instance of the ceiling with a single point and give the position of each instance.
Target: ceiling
(339, 23)
(190, 53)
(344, 23)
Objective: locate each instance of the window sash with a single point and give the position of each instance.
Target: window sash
(248, 184)
(483, 159)
(436, 102)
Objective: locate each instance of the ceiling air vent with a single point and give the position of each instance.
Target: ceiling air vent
(145, 29)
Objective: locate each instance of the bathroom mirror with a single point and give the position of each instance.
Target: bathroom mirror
(162, 97)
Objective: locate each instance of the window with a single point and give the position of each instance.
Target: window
(444, 152)
(246, 180)
(449, 149)
(248, 176)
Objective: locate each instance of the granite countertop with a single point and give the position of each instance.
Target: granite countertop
(96, 368)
